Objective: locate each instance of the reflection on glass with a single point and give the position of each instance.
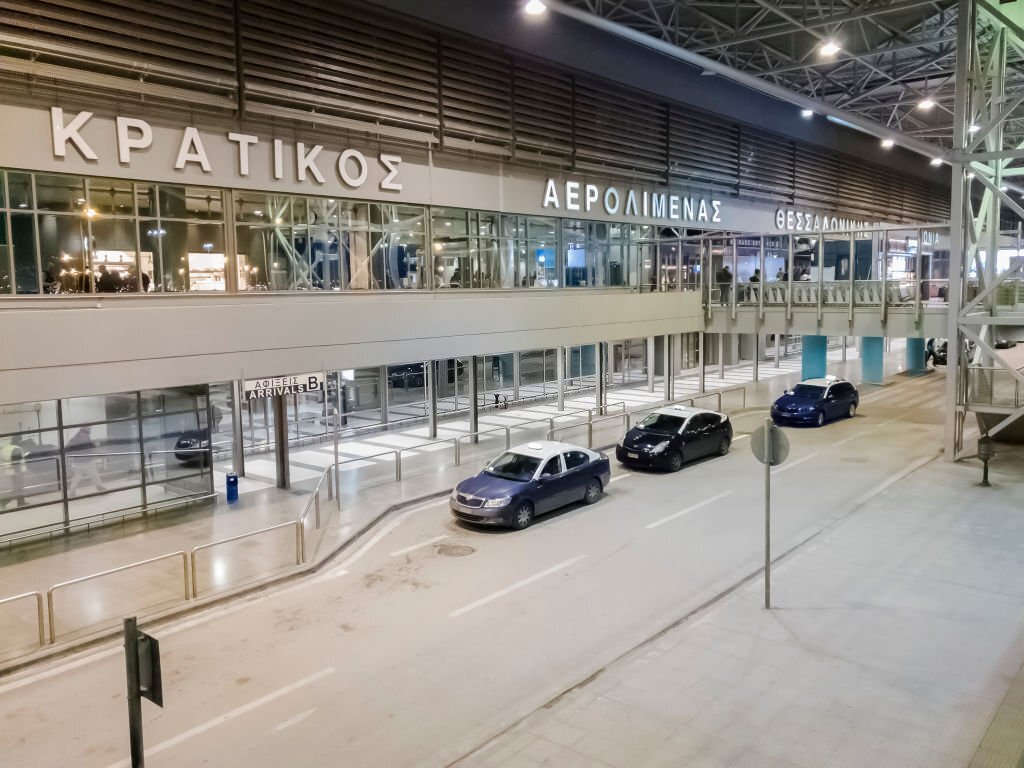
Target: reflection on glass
(60, 193)
(112, 197)
(5, 255)
(19, 186)
(62, 247)
(23, 240)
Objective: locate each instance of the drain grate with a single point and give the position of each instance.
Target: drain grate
(454, 550)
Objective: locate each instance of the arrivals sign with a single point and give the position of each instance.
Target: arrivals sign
(294, 384)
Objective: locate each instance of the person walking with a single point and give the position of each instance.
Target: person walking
(82, 468)
(12, 462)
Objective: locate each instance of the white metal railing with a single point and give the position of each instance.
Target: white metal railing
(39, 611)
(121, 569)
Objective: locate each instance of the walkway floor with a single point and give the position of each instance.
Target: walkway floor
(894, 640)
(368, 488)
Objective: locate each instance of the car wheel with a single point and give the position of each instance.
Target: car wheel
(523, 516)
(853, 410)
(723, 446)
(820, 421)
(675, 461)
(593, 492)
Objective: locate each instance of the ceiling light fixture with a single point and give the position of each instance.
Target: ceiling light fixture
(807, 114)
(888, 143)
(970, 175)
(1003, 189)
(927, 103)
(829, 48)
(535, 7)
(936, 161)
(974, 128)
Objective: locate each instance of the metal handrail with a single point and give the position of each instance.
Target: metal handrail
(299, 554)
(506, 430)
(39, 611)
(623, 417)
(51, 590)
(55, 459)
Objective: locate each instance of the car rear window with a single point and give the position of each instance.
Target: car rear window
(662, 422)
(514, 466)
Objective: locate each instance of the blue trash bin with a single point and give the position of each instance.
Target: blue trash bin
(232, 487)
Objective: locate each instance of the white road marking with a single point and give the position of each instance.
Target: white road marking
(374, 540)
(845, 440)
(294, 720)
(228, 716)
(619, 477)
(686, 511)
(59, 669)
(797, 463)
(740, 437)
(513, 587)
(422, 544)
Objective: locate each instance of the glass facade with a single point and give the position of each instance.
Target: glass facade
(69, 234)
(72, 235)
(83, 458)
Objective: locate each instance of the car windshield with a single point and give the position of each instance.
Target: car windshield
(809, 391)
(514, 466)
(662, 422)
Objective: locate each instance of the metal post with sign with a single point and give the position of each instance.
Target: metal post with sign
(771, 447)
(142, 666)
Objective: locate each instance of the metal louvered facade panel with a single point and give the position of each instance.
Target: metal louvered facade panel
(620, 129)
(476, 96)
(172, 47)
(356, 66)
(703, 149)
(817, 178)
(767, 165)
(542, 111)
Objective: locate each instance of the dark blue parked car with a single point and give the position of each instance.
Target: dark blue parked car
(528, 481)
(815, 401)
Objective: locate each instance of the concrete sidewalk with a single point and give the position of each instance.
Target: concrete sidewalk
(896, 639)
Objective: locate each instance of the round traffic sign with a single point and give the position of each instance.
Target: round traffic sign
(777, 444)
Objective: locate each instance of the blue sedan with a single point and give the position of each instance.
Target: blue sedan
(815, 401)
(530, 480)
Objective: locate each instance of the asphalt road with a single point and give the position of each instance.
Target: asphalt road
(426, 637)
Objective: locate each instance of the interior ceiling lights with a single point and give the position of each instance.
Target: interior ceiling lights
(927, 103)
(535, 7)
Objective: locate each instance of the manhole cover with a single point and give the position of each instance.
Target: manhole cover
(454, 550)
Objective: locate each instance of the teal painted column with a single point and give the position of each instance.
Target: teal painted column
(915, 355)
(815, 356)
(872, 360)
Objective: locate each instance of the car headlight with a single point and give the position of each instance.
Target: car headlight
(502, 502)
(455, 493)
(660, 447)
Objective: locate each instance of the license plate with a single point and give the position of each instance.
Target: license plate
(633, 455)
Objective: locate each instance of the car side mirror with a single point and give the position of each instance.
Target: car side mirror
(788, 392)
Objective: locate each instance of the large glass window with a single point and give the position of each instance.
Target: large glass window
(75, 235)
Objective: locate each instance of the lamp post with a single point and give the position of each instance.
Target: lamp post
(986, 452)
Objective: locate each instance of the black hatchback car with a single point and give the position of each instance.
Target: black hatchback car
(673, 435)
(815, 401)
